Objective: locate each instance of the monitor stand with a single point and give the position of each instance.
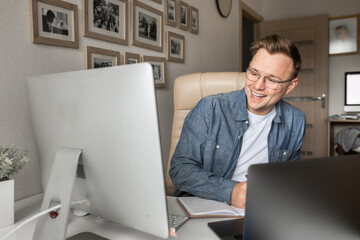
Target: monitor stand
(58, 190)
(87, 236)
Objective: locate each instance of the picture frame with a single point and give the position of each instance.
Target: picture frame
(54, 23)
(147, 35)
(171, 12)
(99, 57)
(159, 69)
(131, 58)
(344, 35)
(194, 20)
(106, 20)
(183, 19)
(175, 47)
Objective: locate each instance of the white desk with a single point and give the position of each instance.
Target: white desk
(192, 229)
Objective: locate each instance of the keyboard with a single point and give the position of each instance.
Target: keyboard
(176, 221)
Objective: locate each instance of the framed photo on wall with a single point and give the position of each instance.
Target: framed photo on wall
(344, 35)
(175, 47)
(147, 26)
(99, 58)
(184, 16)
(106, 20)
(171, 12)
(159, 69)
(194, 20)
(131, 58)
(54, 23)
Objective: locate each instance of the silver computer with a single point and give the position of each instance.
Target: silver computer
(110, 115)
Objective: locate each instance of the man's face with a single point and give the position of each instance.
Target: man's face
(260, 99)
(341, 33)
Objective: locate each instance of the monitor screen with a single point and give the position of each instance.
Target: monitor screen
(352, 90)
(111, 115)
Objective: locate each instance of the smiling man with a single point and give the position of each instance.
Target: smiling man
(226, 133)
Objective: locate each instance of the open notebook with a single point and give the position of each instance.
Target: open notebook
(200, 207)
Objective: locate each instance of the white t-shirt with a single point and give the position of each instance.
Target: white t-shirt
(254, 147)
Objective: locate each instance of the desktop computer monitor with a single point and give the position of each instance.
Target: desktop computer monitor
(110, 114)
(352, 89)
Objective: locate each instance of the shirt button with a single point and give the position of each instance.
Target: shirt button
(238, 137)
(284, 153)
(247, 122)
(217, 146)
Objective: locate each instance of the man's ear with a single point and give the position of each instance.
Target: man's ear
(292, 85)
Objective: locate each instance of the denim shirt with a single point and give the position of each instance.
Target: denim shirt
(210, 143)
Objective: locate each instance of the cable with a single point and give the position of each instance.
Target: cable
(37, 216)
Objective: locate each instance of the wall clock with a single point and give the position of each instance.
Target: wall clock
(224, 7)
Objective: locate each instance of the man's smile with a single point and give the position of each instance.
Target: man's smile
(256, 95)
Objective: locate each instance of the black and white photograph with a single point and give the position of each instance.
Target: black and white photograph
(99, 57)
(344, 35)
(175, 47)
(147, 26)
(102, 62)
(106, 20)
(157, 71)
(54, 23)
(194, 23)
(184, 16)
(170, 12)
(106, 15)
(158, 65)
(131, 58)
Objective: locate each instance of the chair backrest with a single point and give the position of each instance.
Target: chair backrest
(188, 90)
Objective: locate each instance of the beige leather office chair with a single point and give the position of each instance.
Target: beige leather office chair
(188, 90)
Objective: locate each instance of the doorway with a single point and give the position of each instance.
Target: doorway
(249, 29)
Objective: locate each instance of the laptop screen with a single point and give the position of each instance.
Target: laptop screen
(304, 199)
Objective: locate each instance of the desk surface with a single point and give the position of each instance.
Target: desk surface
(192, 229)
(339, 120)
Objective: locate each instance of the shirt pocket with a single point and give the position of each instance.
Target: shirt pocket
(283, 155)
(218, 153)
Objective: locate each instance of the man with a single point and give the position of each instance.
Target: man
(342, 43)
(224, 134)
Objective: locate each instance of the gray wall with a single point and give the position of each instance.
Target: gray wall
(215, 48)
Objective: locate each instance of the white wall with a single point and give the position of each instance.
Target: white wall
(215, 48)
(279, 9)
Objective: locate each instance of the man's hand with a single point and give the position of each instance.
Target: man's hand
(238, 195)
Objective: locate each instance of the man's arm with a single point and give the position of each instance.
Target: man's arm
(187, 164)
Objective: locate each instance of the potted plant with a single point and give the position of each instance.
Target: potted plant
(11, 161)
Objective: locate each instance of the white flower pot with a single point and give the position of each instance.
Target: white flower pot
(6, 203)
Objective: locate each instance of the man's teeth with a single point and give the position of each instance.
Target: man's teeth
(257, 95)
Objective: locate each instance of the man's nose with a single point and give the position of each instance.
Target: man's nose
(260, 83)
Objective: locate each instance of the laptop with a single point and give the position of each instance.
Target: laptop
(302, 199)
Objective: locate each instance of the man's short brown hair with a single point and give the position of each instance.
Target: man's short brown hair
(277, 44)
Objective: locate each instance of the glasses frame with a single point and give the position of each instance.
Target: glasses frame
(266, 78)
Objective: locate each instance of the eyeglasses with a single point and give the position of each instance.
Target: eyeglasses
(270, 82)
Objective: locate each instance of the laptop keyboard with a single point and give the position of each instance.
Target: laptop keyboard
(176, 221)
